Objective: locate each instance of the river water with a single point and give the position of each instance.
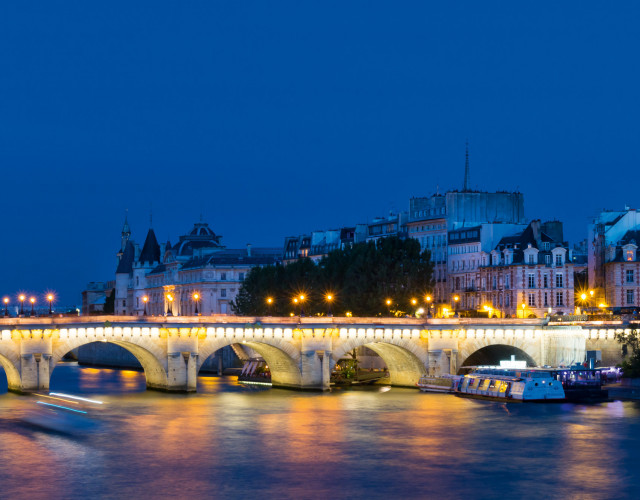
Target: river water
(229, 441)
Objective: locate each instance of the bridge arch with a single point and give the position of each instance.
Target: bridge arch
(282, 358)
(492, 354)
(405, 360)
(148, 355)
(10, 362)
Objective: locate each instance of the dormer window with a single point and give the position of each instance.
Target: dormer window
(558, 260)
(629, 256)
(531, 259)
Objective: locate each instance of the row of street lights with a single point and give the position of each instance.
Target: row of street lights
(196, 298)
(21, 298)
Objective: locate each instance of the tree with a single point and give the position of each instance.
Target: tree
(360, 278)
(630, 353)
(110, 302)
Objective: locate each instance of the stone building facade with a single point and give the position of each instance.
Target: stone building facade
(197, 273)
(528, 274)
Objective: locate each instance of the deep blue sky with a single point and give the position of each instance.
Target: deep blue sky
(276, 118)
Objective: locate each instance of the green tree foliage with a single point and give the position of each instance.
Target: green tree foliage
(360, 278)
(631, 353)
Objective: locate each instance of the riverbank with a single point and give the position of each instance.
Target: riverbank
(628, 388)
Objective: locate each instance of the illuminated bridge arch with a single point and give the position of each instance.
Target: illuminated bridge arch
(402, 351)
(151, 356)
(10, 362)
(282, 357)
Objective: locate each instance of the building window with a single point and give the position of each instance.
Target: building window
(559, 299)
(507, 300)
(546, 281)
(629, 275)
(629, 297)
(547, 259)
(507, 281)
(495, 283)
(531, 261)
(241, 276)
(223, 276)
(630, 255)
(546, 300)
(532, 299)
(559, 282)
(223, 292)
(532, 280)
(123, 303)
(558, 260)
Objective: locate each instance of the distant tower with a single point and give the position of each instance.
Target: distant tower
(467, 176)
(126, 232)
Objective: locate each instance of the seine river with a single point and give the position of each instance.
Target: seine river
(229, 441)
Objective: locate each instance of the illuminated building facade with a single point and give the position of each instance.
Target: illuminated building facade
(197, 275)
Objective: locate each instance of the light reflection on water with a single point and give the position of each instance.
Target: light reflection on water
(232, 441)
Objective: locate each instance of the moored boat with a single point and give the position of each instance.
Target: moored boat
(445, 383)
(507, 385)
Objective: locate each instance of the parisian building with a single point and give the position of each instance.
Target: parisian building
(527, 274)
(198, 272)
(431, 219)
(613, 260)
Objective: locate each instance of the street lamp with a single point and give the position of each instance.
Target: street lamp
(523, 308)
(302, 297)
(6, 306)
(196, 298)
(295, 306)
(456, 299)
(145, 299)
(33, 301)
(429, 304)
(329, 299)
(170, 308)
(50, 299)
(21, 299)
(270, 304)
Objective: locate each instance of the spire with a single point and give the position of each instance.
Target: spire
(467, 177)
(126, 232)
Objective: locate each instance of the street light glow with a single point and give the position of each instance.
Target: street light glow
(388, 302)
(269, 300)
(145, 299)
(32, 300)
(414, 301)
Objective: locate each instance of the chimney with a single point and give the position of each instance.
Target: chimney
(535, 228)
(248, 249)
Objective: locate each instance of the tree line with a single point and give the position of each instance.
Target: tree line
(376, 278)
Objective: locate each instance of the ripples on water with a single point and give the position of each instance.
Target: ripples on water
(229, 441)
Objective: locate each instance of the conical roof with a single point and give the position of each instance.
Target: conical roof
(150, 250)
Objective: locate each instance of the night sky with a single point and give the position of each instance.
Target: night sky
(278, 118)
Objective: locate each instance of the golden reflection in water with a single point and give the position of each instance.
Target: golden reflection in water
(309, 430)
(130, 379)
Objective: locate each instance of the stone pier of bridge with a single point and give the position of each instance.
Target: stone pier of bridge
(300, 352)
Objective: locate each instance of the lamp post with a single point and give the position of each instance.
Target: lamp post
(145, 299)
(329, 299)
(269, 304)
(429, 304)
(196, 298)
(33, 301)
(456, 299)
(388, 302)
(170, 308)
(6, 306)
(523, 308)
(21, 299)
(295, 306)
(50, 299)
(301, 298)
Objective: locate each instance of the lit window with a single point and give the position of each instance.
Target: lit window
(630, 255)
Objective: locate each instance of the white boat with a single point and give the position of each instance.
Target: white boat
(521, 386)
(444, 383)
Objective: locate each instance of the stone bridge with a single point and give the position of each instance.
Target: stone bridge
(300, 352)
